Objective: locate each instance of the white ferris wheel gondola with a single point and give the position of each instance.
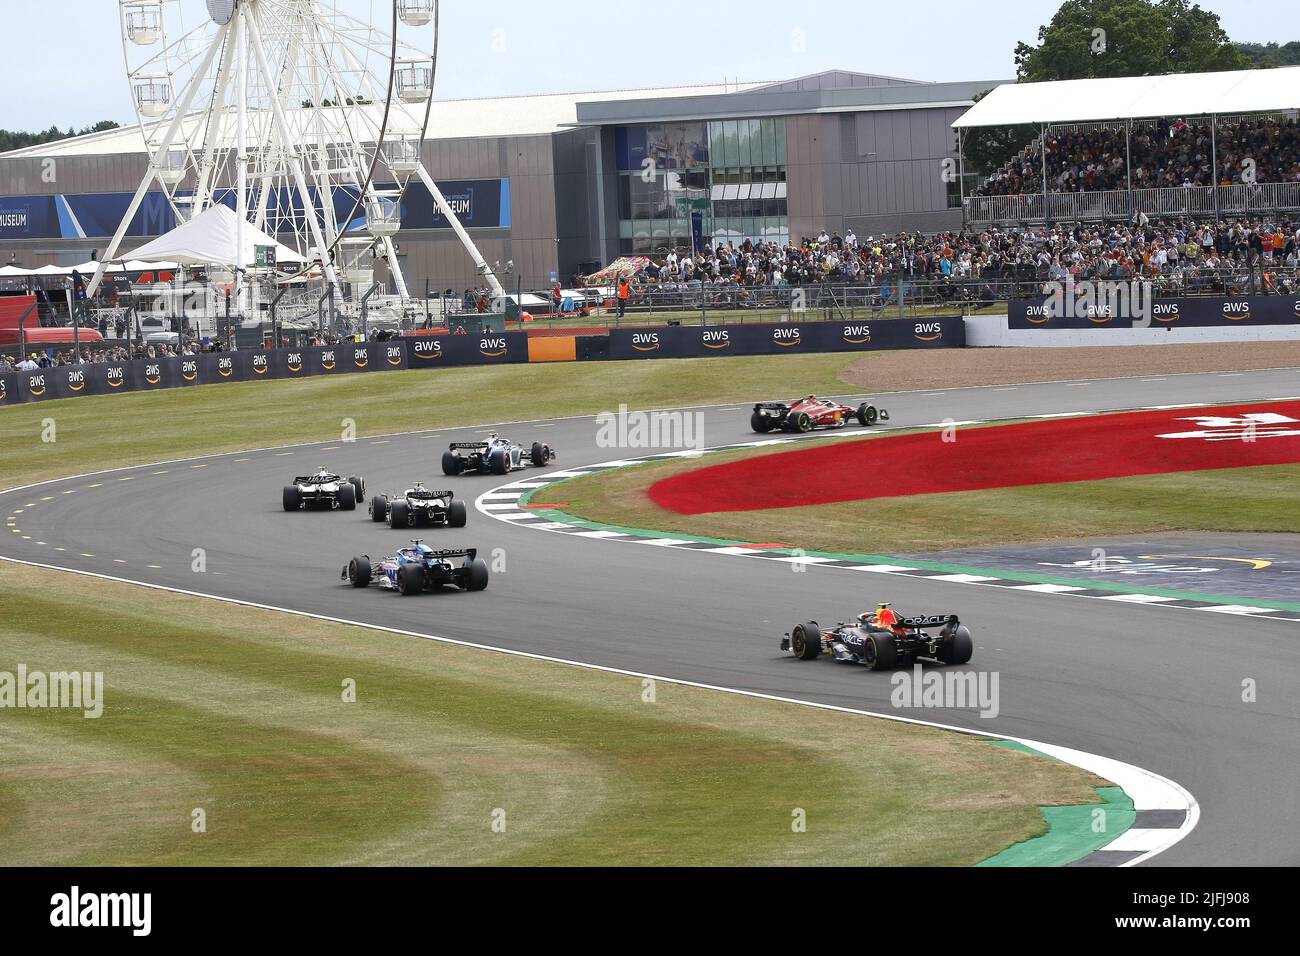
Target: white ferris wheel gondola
(142, 21)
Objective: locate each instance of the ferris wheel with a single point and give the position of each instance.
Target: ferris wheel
(305, 117)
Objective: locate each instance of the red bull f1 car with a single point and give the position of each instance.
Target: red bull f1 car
(497, 456)
(419, 506)
(882, 644)
(805, 414)
(324, 490)
(419, 568)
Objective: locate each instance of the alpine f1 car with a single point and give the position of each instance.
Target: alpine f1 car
(418, 506)
(324, 490)
(419, 568)
(881, 642)
(805, 414)
(497, 455)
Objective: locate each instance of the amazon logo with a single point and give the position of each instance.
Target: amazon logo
(153, 374)
(225, 367)
(261, 364)
(786, 338)
(1038, 314)
(857, 334)
(715, 339)
(4, 390)
(294, 362)
(116, 376)
(492, 348)
(36, 385)
(394, 355)
(1236, 311)
(928, 331)
(645, 341)
(76, 380)
(360, 358)
(190, 370)
(327, 360)
(1165, 312)
(428, 350)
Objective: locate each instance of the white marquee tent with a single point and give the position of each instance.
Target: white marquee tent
(210, 239)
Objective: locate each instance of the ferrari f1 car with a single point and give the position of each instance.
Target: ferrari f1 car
(884, 646)
(324, 490)
(418, 506)
(497, 456)
(805, 414)
(419, 568)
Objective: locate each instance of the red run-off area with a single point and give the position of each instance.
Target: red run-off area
(1001, 456)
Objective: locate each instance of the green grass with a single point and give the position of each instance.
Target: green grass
(1255, 499)
(239, 712)
(118, 430)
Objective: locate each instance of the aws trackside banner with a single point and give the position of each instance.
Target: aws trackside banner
(1192, 312)
(491, 348)
(701, 341)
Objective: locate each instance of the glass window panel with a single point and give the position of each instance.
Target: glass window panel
(755, 142)
(730, 149)
(715, 144)
(780, 140)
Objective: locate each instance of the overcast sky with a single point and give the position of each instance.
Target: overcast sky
(63, 59)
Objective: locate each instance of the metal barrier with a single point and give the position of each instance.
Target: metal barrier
(1116, 204)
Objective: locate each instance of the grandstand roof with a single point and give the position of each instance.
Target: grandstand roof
(1137, 97)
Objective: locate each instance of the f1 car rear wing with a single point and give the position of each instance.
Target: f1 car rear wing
(468, 445)
(929, 620)
(427, 495)
(470, 553)
(317, 479)
(778, 406)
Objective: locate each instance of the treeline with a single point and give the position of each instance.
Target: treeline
(14, 139)
(1272, 54)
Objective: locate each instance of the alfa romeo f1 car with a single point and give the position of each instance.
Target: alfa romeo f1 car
(882, 646)
(497, 455)
(418, 506)
(324, 490)
(419, 568)
(805, 414)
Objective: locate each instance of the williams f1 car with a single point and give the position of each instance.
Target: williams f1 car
(497, 456)
(418, 506)
(882, 646)
(324, 490)
(805, 414)
(419, 568)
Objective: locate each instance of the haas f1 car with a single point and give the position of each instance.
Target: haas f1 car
(496, 456)
(812, 412)
(324, 490)
(884, 640)
(418, 506)
(419, 568)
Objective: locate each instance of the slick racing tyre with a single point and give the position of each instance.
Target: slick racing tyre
(378, 509)
(801, 423)
(457, 514)
(499, 461)
(867, 415)
(959, 649)
(397, 512)
(478, 575)
(451, 463)
(292, 498)
(410, 579)
(541, 455)
(760, 423)
(347, 496)
(806, 641)
(360, 485)
(359, 572)
(879, 652)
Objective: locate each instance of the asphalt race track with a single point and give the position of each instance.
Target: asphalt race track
(1156, 687)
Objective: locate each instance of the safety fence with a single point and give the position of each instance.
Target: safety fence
(1122, 204)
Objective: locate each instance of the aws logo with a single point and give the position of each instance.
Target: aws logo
(716, 339)
(786, 338)
(152, 374)
(4, 390)
(1101, 315)
(190, 370)
(857, 334)
(1165, 312)
(293, 362)
(1297, 308)
(492, 348)
(36, 385)
(261, 364)
(928, 331)
(1038, 314)
(428, 349)
(116, 376)
(394, 355)
(327, 360)
(645, 341)
(76, 380)
(361, 358)
(225, 367)
(1236, 311)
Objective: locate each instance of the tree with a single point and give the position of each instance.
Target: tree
(1087, 39)
(1271, 54)
(11, 139)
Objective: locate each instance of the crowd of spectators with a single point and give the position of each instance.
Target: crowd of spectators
(1174, 154)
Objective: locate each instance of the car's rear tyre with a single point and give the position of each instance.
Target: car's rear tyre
(499, 461)
(457, 514)
(540, 454)
(397, 515)
(360, 485)
(410, 579)
(801, 423)
(959, 649)
(478, 575)
(806, 641)
(292, 498)
(879, 652)
(378, 509)
(359, 572)
(451, 463)
(347, 497)
(760, 423)
(868, 415)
